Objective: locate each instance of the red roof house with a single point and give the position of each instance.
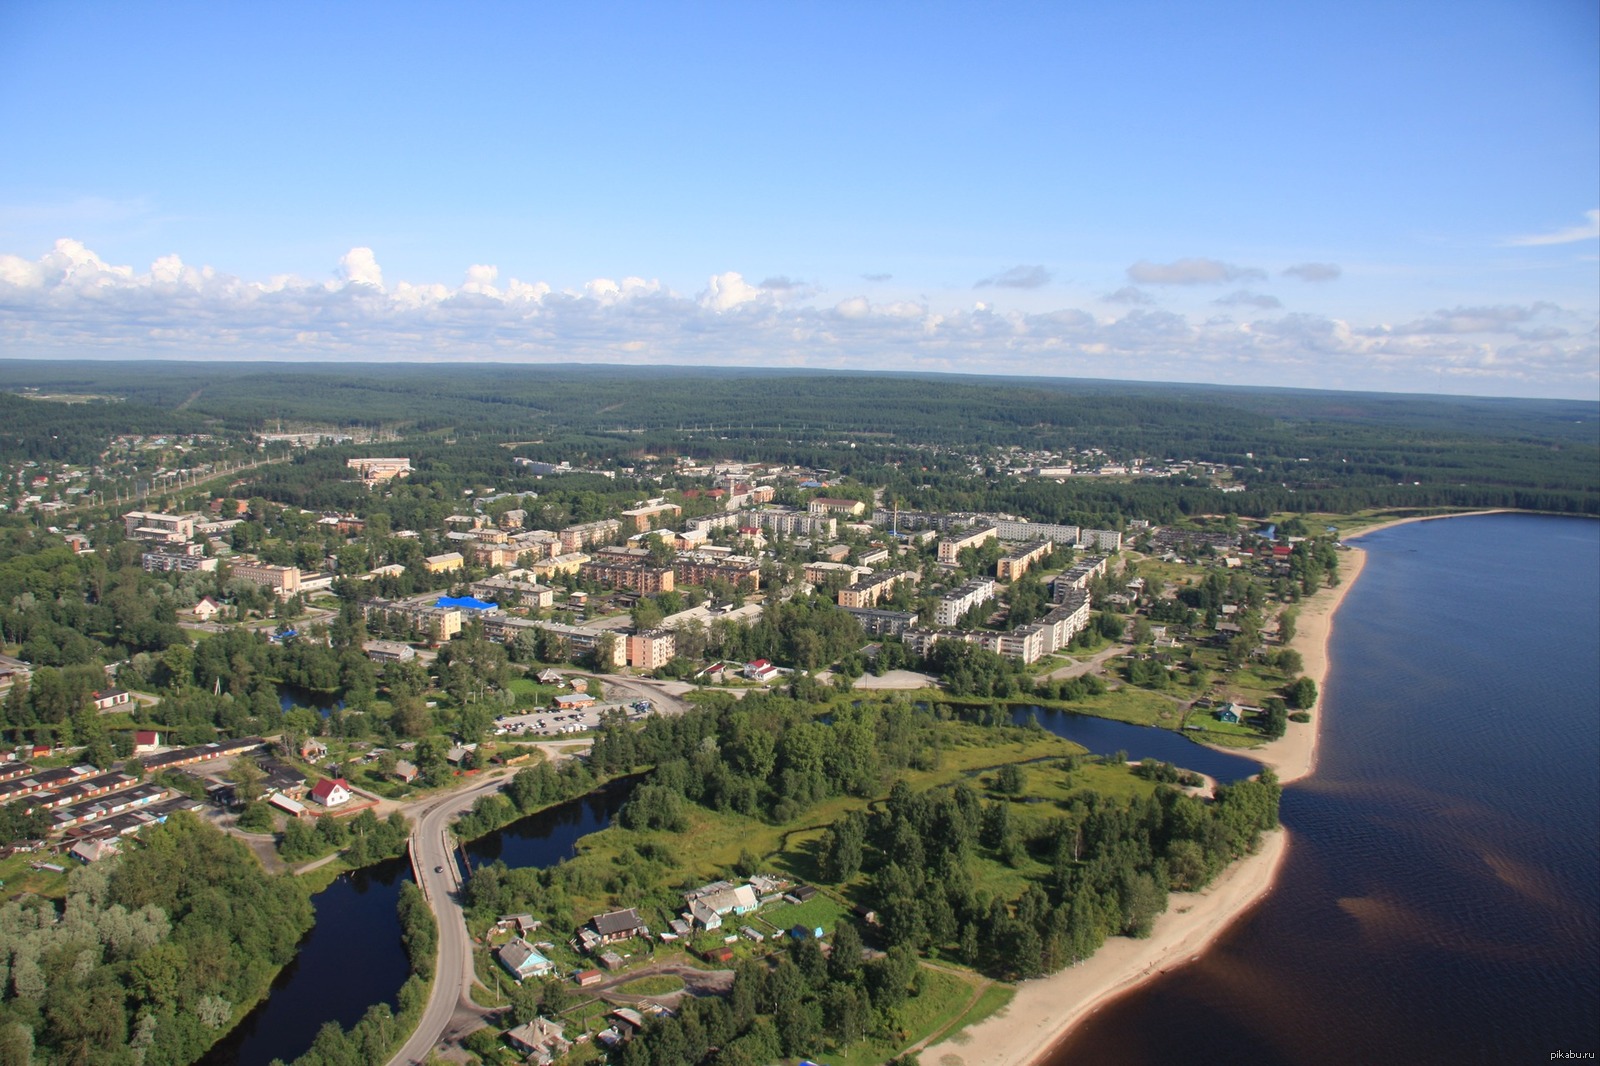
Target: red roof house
(331, 791)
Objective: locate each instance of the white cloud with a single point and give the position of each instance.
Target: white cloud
(1197, 271)
(360, 267)
(1313, 271)
(726, 291)
(69, 302)
(1026, 276)
(1588, 231)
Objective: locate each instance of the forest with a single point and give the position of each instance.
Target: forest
(1299, 450)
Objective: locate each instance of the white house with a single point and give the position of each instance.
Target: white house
(331, 792)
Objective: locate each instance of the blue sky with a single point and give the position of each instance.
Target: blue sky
(1377, 196)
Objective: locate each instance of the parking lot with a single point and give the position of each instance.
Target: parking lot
(556, 723)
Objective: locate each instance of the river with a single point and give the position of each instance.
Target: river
(352, 958)
(1440, 902)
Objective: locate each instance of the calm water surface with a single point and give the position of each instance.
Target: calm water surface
(353, 958)
(1441, 900)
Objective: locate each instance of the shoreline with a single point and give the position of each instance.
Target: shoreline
(1034, 1023)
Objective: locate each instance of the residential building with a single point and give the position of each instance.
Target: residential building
(1077, 576)
(1105, 540)
(540, 1041)
(651, 515)
(444, 562)
(509, 593)
(111, 700)
(951, 548)
(635, 575)
(576, 538)
(792, 523)
(1013, 529)
(954, 605)
(565, 563)
(1017, 562)
(876, 622)
(652, 649)
(331, 792)
(612, 927)
(869, 590)
(702, 568)
(522, 961)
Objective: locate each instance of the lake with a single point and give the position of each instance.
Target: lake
(1440, 902)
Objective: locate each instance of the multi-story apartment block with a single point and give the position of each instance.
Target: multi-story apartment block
(509, 593)
(876, 622)
(702, 568)
(573, 641)
(578, 537)
(1016, 563)
(651, 515)
(284, 581)
(951, 548)
(438, 624)
(1011, 529)
(180, 557)
(634, 575)
(539, 543)
(565, 563)
(444, 563)
(873, 588)
(1077, 576)
(792, 523)
(1105, 540)
(652, 649)
(953, 605)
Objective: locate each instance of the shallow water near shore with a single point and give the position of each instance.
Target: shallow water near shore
(1440, 902)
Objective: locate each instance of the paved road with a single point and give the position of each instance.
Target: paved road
(440, 879)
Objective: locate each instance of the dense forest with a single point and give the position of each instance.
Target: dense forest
(154, 955)
(1298, 450)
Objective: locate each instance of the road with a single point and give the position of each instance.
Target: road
(439, 876)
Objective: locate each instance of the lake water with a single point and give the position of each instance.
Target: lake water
(1440, 902)
(1105, 737)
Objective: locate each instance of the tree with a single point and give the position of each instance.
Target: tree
(1301, 694)
(247, 779)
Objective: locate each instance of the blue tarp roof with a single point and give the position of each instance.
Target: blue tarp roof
(466, 603)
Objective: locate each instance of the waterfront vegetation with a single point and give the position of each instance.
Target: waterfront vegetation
(963, 853)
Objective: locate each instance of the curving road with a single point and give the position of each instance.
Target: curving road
(439, 876)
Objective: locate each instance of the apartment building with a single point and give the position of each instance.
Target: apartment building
(1078, 577)
(444, 563)
(1017, 562)
(827, 505)
(792, 523)
(1012, 529)
(585, 534)
(565, 563)
(509, 593)
(652, 649)
(572, 641)
(437, 624)
(180, 557)
(1105, 540)
(870, 590)
(877, 622)
(634, 575)
(651, 515)
(953, 605)
(702, 568)
(950, 548)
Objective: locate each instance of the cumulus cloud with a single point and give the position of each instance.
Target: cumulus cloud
(781, 283)
(1197, 271)
(70, 302)
(1129, 296)
(726, 291)
(360, 267)
(1024, 276)
(1587, 231)
(1313, 271)
(1245, 298)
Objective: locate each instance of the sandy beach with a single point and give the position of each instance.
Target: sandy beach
(1047, 1008)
